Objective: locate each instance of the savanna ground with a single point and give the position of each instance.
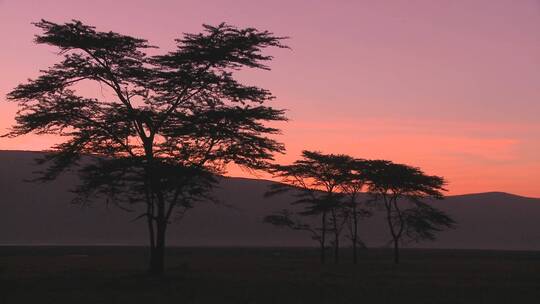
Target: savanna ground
(270, 275)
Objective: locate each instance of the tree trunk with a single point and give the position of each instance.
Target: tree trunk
(150, 223)
(396, 251)
(355, 254)
(157, 261)
(322, 253)
(336, 250)
(152, 240)
(157, 255)
(354, 245)
(395, 236)
(336, 237)
(355, 235)
(323, 238)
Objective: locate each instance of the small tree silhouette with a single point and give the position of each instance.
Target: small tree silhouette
(354, 181)
(171, 123)
(401, 189)
(316, 179)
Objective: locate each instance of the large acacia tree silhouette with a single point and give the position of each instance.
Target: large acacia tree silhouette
(172, 122)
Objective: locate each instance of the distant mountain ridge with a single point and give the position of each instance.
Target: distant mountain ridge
(36, 213)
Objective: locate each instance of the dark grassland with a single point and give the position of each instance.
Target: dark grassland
(265, 275)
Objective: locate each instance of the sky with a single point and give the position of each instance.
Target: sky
(452, 87)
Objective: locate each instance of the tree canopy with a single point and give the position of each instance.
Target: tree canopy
(171, 122)
(340, 189)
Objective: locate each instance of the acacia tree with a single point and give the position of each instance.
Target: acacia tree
(354, 181)
(316, 178)
(169, 123)
(402, 190)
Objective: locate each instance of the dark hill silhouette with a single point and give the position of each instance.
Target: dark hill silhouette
(34, 213)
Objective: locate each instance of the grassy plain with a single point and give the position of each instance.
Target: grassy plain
(266, 275)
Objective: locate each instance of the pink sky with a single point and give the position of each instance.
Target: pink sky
(450, 86)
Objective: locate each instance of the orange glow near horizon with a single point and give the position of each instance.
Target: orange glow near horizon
(450, 87)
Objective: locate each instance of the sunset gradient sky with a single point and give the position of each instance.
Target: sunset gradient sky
(450, 86)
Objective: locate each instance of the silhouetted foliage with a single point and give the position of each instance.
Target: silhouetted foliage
(401, 189)
(286, 218)
(171, 122)
(316, 179)
(329, 186)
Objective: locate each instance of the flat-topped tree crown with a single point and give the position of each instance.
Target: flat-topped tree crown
(315, 170)
(403, 180)
(169, 122)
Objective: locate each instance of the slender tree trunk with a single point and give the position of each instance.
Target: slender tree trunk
(157, 262)
(336, 250)
(323, 238)
(152, 239)
(157, 257)
(355, 243)
(150, 222)
(395, 237)
(355, 235)
(355, 253)
(336, 237)
(399, 233)
(396, 251)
